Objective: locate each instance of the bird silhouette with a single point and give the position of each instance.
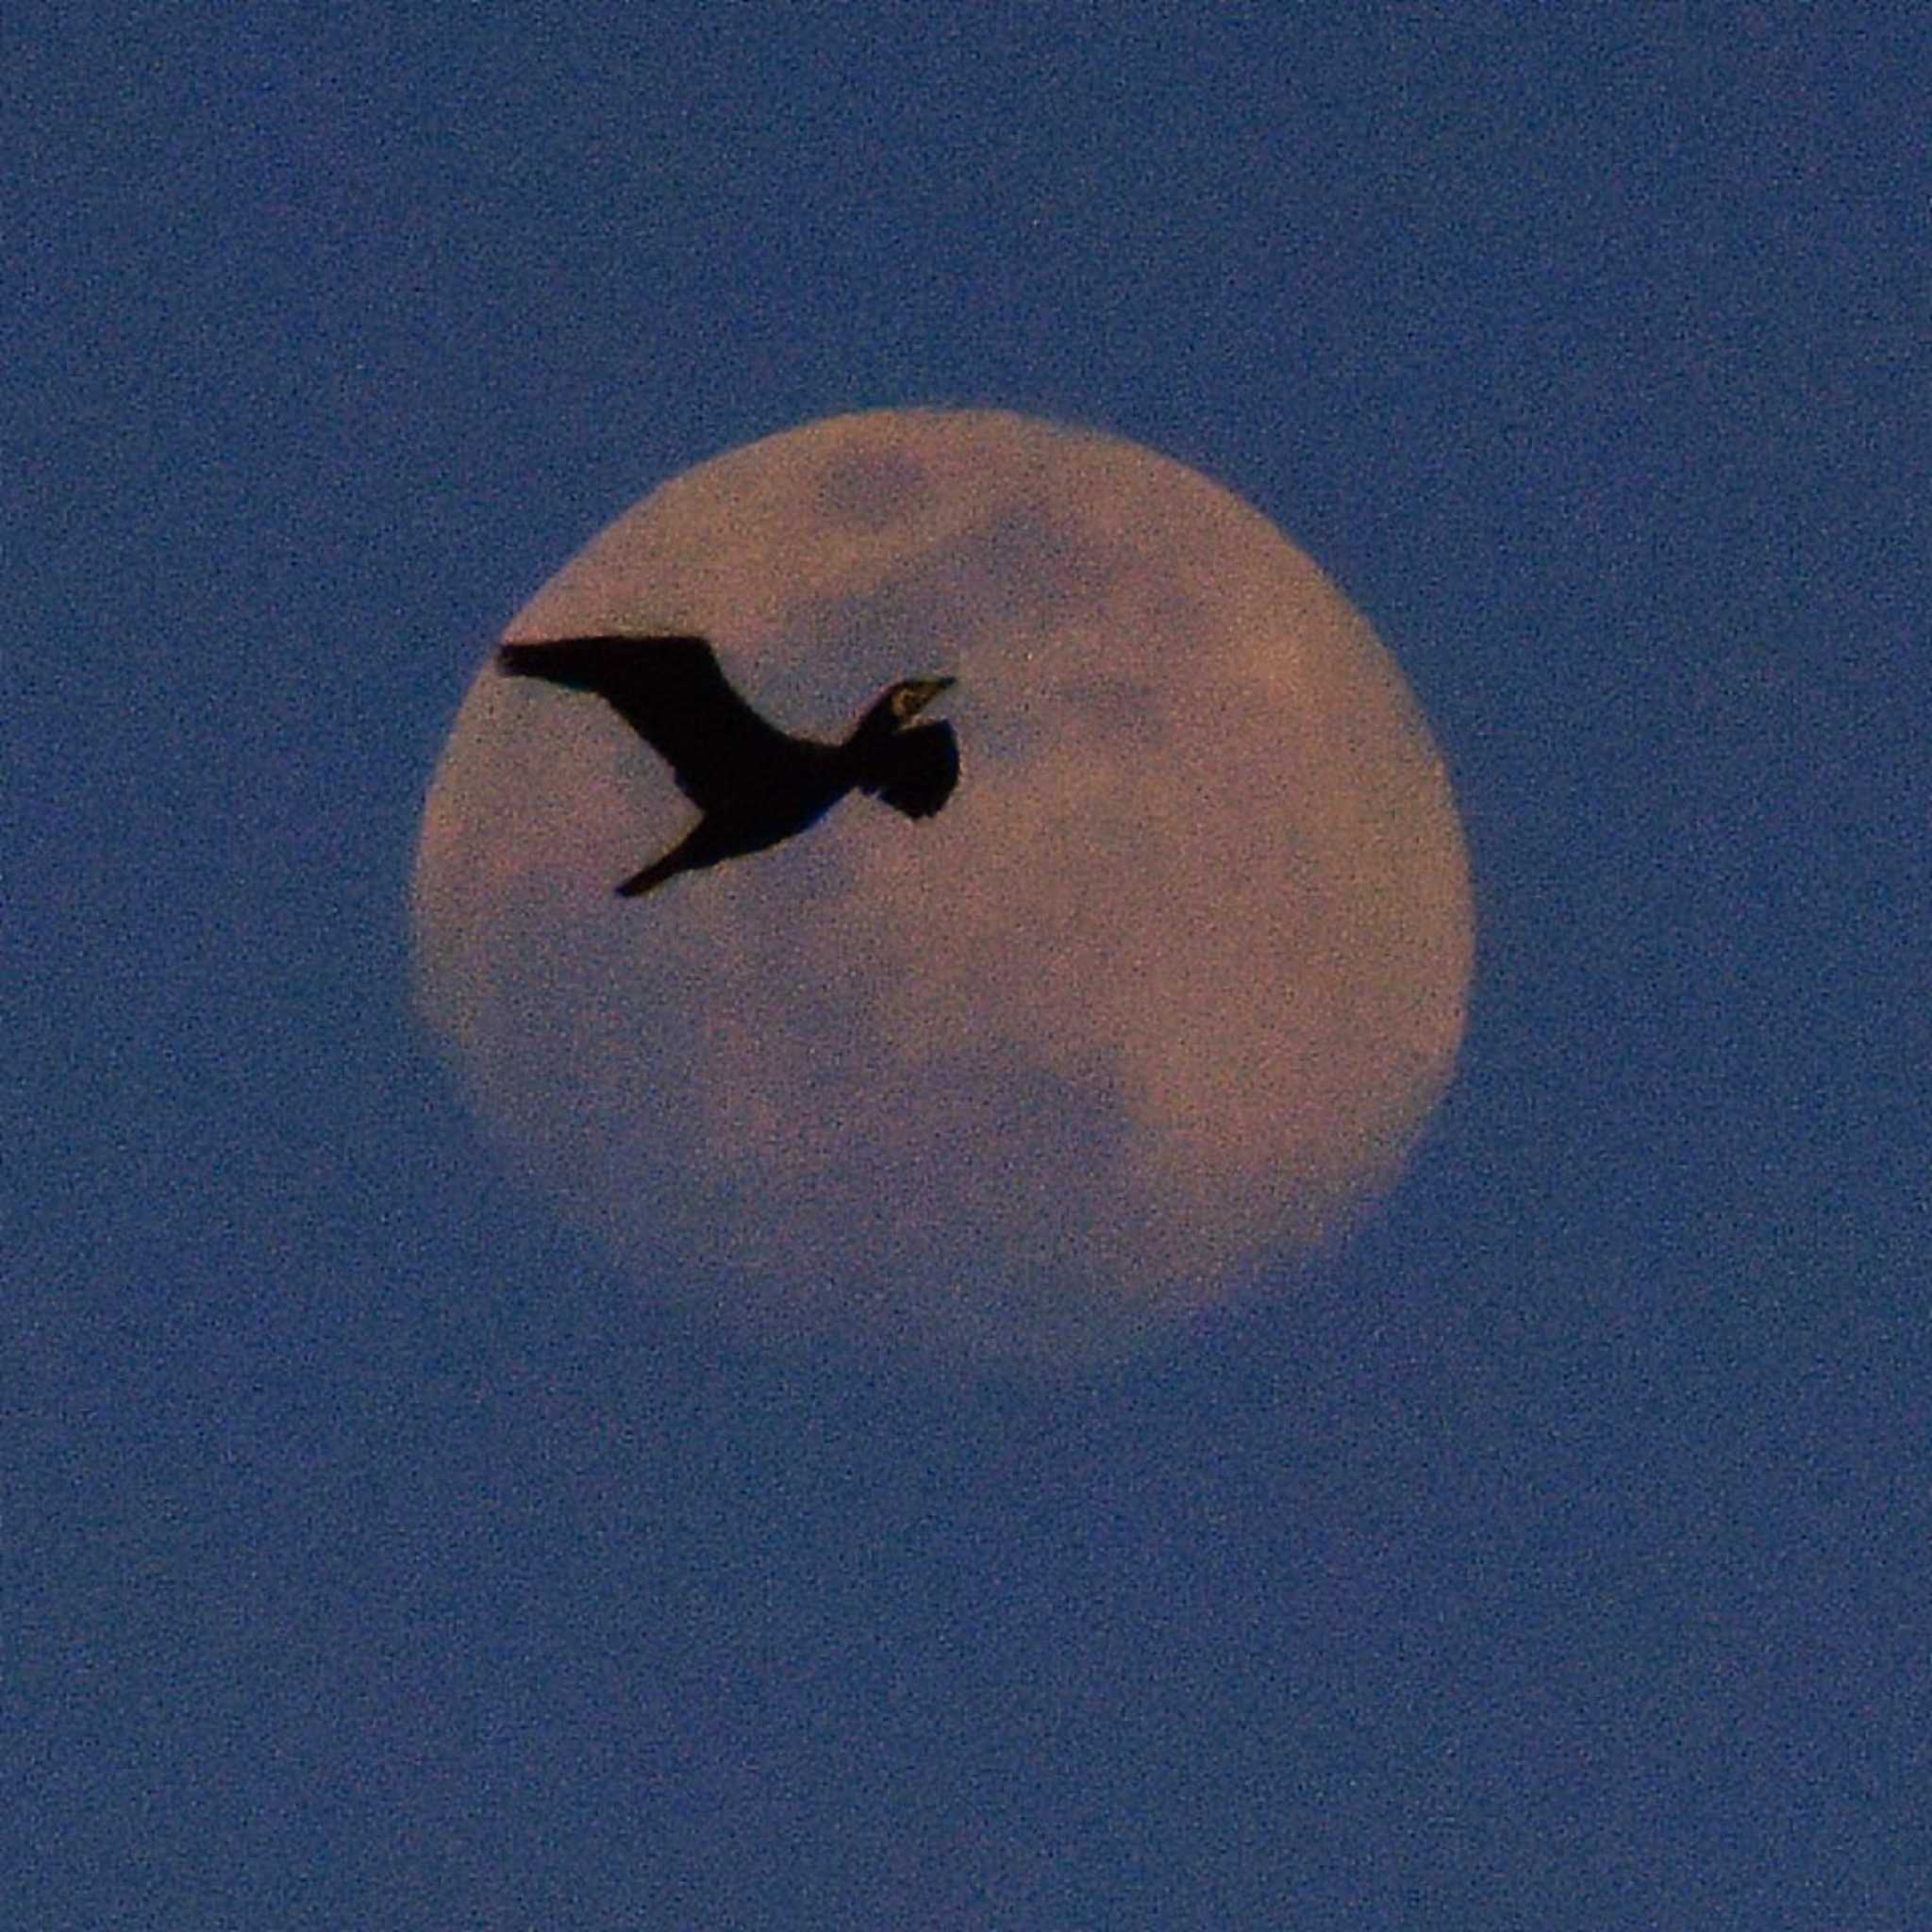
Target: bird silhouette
(754, 784)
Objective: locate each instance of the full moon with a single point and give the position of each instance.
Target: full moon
(1149, 1013)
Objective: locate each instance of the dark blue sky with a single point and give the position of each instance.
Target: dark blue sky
(368, 1558)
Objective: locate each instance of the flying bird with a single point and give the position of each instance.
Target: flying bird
(754, 784)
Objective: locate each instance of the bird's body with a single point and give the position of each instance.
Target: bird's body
(754, 784)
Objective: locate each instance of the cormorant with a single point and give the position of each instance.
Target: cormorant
(754, 784)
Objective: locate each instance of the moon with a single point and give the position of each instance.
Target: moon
(1150, 1013)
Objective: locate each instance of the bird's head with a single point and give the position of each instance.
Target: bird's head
(896, 707)
(905, 700)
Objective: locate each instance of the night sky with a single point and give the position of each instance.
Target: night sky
(372, 1554)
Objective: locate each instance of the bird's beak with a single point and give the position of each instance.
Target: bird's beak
(930, 688)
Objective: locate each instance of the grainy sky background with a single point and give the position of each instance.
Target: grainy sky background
(368, 1558)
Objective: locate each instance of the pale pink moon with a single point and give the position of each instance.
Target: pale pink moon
(1157, 1004)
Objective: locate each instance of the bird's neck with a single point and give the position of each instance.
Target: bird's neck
(874, 730)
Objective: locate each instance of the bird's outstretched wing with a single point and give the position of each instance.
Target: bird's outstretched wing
(671, 693)
(917, 770)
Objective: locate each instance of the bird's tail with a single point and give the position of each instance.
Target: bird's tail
(695, 849)
(651, 877)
